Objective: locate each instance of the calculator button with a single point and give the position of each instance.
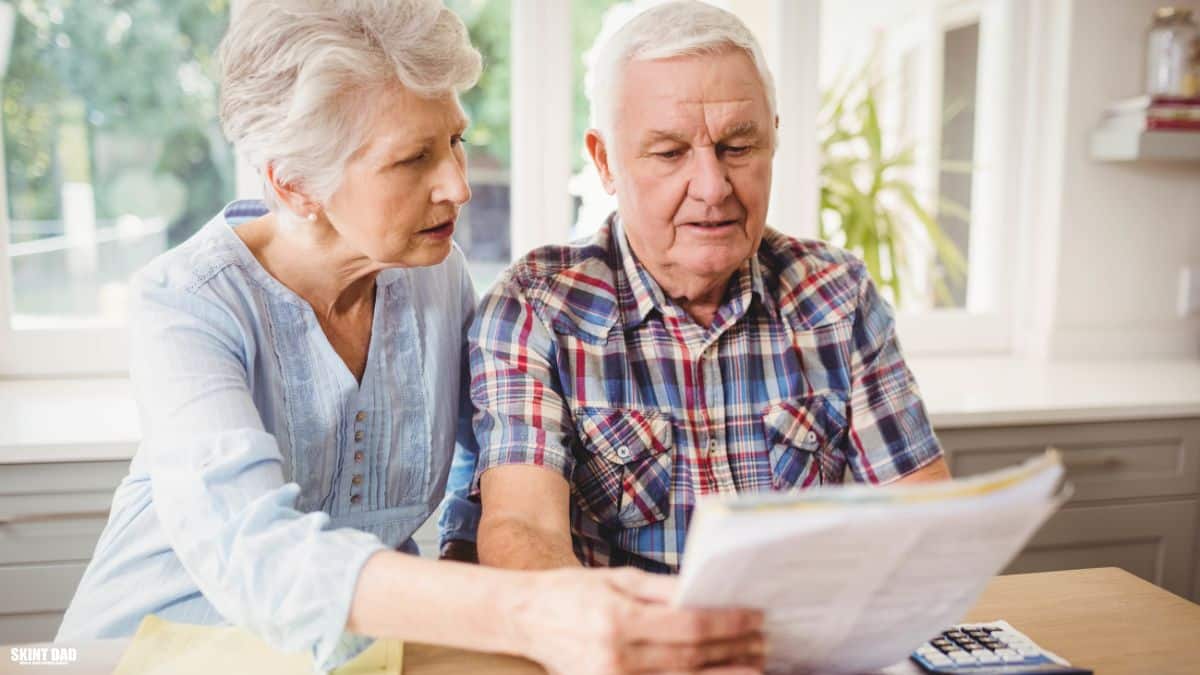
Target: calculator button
(939, 659)
(1010, 656)
(987, 657)
(962, 657)
(1027, 650)
(927, 650)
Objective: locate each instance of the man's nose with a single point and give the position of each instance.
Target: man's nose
(451, 185)
(710, 178)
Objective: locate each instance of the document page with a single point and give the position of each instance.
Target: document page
(853, 578)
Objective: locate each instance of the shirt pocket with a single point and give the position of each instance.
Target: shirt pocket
(622, 474)
(802, 435)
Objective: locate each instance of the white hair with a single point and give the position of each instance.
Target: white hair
(297, 77)
(666, 30)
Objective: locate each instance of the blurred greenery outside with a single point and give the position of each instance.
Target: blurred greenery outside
(89, 99)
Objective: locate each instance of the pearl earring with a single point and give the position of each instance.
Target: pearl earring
(312, 217)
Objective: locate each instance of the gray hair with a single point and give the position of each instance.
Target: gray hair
(297, 76)
(678, 28)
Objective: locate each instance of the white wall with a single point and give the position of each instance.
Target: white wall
(1124, 230)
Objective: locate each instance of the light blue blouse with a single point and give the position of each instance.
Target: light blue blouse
(267, 474)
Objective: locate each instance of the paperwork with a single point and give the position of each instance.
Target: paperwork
(854, 578)
(160, 648)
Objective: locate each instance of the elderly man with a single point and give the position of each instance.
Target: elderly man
(686, 349)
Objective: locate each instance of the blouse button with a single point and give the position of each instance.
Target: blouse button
(358, 456)
(354, 499)
(357, 480)
(358, 436)
(623, 452)
(360, 416)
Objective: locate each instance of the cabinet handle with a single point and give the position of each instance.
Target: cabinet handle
(50, 517)
(1105, 462)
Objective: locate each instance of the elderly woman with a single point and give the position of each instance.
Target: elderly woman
(298, 366)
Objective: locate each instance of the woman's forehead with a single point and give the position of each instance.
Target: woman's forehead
(410, 120)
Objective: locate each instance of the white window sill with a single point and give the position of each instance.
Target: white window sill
(96, 419)
(79, 420)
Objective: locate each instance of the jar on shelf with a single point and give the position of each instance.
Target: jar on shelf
(1172, 48)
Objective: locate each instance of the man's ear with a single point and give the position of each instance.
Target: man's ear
(599, 153)
(290, 195)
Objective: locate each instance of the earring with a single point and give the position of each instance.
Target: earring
(312, 217)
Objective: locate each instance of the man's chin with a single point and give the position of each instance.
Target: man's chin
(711, 264)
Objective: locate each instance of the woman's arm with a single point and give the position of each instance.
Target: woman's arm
(217, 479)
(581, 622)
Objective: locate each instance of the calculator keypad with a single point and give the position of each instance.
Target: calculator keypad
(980, 645)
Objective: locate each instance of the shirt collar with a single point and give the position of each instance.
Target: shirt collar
(643, 295)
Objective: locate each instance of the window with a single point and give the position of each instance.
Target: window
(484, 227)
(485, 231)
(112, 154)
(937, 73)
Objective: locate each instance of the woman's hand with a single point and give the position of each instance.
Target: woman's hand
(606, 622)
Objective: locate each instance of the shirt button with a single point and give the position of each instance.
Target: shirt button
(358, 456)
(810, 437)
(358, 436)
(354, 499)
(357, 480)
(360, 416)
(623, 452)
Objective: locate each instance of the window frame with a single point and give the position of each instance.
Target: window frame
(1015, 32)
(1008, 32)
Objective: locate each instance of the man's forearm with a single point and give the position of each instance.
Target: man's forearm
(515, 544)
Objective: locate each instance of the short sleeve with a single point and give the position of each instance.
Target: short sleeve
(521, 417)
(890, 434)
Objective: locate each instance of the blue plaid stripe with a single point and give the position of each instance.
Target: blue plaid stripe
(580, 364)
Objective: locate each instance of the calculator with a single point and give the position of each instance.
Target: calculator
(994, 648)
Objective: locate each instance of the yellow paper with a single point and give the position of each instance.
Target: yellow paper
(161, 647)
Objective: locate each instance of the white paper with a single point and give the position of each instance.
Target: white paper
(854, 578)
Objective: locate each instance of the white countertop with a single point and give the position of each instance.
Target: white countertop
(95, 420)
(979, 392)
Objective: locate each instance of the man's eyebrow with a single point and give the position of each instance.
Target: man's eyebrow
(656, 135)
(744, 128)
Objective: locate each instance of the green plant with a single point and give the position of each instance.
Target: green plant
(867, 197)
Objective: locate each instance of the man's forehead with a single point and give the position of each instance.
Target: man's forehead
(718, 90)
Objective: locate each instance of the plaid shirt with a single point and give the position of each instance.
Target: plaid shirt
(580, 364)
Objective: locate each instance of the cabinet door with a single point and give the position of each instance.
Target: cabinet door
(1103, 461)
(1154, 540)
(51, 516)
(1136, 490)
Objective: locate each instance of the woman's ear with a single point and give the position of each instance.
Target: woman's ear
(599, 153)
(290, 196)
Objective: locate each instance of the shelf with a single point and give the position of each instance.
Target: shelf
(1110, 145)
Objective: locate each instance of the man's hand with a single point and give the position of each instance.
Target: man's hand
(612, 622)
(459, 550)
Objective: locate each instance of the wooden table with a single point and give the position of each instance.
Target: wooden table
(1104, 619)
